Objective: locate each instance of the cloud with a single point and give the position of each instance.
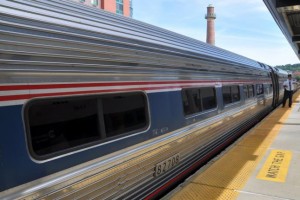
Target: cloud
(245, 27)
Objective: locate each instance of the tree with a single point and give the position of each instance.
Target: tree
(290, 67)
(295, 69)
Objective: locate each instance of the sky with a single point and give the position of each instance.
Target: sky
(246, 28)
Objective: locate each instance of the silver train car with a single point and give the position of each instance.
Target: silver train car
(98, 106)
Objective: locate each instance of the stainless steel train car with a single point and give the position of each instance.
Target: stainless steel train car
(98, 106)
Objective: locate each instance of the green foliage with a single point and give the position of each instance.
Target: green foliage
(289, 67)
(294, 69)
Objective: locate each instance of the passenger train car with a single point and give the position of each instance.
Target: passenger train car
(98, 106)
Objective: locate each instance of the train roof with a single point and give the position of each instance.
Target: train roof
(281, 71)
(74, 21)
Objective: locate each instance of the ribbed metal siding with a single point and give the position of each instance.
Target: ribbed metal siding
(81, 23)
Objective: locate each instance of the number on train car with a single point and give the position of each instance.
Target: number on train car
(167, 164)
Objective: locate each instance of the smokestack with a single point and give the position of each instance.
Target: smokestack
(210, 17)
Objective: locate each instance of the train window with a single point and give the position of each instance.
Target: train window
(251, 91)
(231, 94)
(60, 125)
(191, 101)
(245, 88)
(208, 96)
(266, 88)
(248, 91)
(196, 100)
(259, 89)
(269, 89)
(123, 114)
(227, 94)
(235, 93)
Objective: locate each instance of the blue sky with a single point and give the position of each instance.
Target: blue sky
(245, 28)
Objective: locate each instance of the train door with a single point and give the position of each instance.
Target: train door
(274, 77)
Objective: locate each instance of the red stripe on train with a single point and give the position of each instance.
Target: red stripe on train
(29, 96)
(103, 84)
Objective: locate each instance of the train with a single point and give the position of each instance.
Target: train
(94, 105)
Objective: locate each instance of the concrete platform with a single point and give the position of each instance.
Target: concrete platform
(262, 165)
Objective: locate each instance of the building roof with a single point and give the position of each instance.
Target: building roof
(287, 15)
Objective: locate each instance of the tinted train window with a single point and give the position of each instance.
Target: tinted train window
(235, 93)
(191, 101)
(249, 91)
(123, 114)
(231, 94)
(245, 88)
(58, 125)
(208, 98)
(227, 95)
(259, 89)
(196, 100)
(269, 89)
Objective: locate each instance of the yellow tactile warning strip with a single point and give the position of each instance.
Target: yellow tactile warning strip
(276, 166)
(227, 175)
(199, 192)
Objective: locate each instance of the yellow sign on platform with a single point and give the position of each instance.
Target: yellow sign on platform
(276, 167)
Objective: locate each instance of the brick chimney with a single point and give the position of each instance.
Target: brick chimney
(210, 17)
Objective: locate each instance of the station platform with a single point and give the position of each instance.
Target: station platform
(264, 164)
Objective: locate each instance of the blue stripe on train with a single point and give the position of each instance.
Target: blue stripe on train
(17, 168)
(13, 155)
